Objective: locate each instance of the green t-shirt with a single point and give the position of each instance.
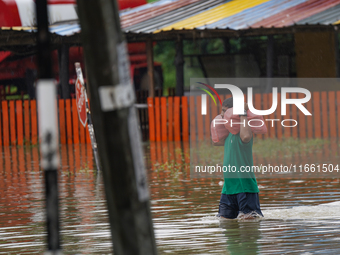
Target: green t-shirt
(237, 156)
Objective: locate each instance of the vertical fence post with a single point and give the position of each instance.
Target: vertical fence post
(164, 118)
(68, 121)
(265, 107)
(1, 129)
(34, 122)
(302, 122)
(5, 122)
(27, 121)
(62, 123)
(12, 125)
(338, 109)
(271, 116)
(316, 113)
(75, 122)
(324, 114)
(332, 116)
(207, 119)
(192, 118)
(199, 118)
(158, 119)
(151, 114)
(310, 119)
(185, 118)
(258, 106)
(177, 127)
(20, 127)
(171, 118)
(294, 117)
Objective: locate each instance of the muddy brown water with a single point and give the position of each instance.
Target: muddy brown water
(302, 215)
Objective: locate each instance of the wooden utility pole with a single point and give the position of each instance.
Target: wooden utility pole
(64, 75)
(48, 127)
(149, 58)
(270, 63)
(116, 128)
(179, 62)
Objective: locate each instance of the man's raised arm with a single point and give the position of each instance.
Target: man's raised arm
(245, 131)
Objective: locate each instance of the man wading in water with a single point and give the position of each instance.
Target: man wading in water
(240, 198)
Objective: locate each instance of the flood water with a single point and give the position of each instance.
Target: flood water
(302, 215)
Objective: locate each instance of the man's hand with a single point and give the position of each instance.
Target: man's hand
(224, 109)
(220, 143)
(246, 106)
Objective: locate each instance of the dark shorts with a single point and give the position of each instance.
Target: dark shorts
(232, 205)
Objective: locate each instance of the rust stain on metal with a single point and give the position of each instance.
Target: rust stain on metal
(296, 13)
(145, 14)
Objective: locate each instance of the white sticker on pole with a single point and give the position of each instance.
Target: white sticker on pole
(123, 64)
(137, 154)
(48, 124)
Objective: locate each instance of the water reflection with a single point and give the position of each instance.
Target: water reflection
(301, 215)
(83, 207)
(242, 237)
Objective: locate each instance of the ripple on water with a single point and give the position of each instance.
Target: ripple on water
(301, 216)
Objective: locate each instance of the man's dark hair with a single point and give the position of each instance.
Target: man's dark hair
(228, 102)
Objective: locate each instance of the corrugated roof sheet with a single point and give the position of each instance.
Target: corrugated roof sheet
(299, 12)
(214, 14)
(252, 15)
(146, 6)
(165, 15)
(65, 29)
(154, 10)
(325, 17)
(173, 16)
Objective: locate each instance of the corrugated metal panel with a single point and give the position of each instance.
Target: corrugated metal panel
(296, 13)
(29, 29)
(215, 14)
(65, 29)
(153, 10)
(218, 14)
(160, 21)
(250, 16)
(325, 17)
(146, 6)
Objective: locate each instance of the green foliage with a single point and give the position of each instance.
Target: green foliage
(165, 53)
(215, 46)
(17, 97)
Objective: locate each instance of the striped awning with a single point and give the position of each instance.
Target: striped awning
(165, 16)
(234, 14)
